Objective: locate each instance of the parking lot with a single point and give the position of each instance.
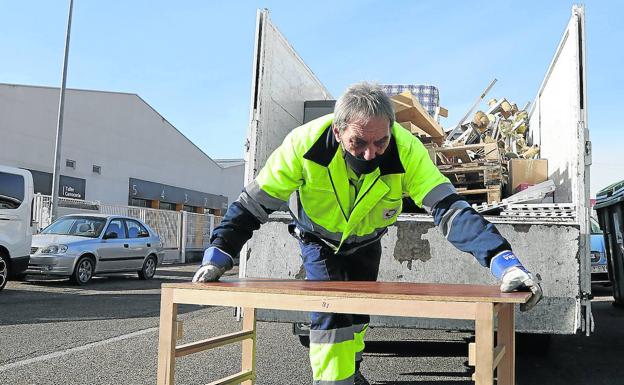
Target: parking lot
(107, 332)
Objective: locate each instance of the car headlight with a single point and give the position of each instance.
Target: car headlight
(54, 249)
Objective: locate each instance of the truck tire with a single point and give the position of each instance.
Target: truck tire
(4, 270)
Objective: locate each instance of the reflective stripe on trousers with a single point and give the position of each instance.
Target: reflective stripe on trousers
(337, 340)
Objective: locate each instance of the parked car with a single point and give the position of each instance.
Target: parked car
(599, 269)
(16, 195)
(80, 246)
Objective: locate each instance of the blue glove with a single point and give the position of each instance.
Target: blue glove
(513, 276)
(215, 263)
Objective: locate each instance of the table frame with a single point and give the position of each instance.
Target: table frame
(484, 353)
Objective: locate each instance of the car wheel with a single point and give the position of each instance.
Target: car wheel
(4, 271)
(83, 272)
(149, 268)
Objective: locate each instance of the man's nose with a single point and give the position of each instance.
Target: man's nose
(370, 153)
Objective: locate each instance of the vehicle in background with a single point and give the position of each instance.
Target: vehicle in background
(16, 196)
(80, 246)
(599, 272)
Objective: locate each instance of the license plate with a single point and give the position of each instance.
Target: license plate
(599, 269)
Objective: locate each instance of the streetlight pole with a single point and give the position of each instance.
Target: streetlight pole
(59, 127)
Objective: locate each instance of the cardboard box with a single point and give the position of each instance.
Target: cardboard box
(529, 171)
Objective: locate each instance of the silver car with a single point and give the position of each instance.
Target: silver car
(80, 246)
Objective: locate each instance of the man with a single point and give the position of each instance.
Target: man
(350, 171)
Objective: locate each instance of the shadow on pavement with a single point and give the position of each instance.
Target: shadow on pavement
(435, 348)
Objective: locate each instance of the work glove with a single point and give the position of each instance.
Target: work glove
(215, 263)
(514, 277)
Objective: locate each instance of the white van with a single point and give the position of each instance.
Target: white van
(16, 197)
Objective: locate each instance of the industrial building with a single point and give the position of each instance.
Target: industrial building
(116, 149)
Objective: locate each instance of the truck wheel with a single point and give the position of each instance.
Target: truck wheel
(83, 272)
(149, 268)
(4, 270)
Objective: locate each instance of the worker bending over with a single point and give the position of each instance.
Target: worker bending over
(350, 171)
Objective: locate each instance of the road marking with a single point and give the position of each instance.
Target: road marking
(76, 349)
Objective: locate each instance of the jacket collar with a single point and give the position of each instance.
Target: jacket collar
(324, 149)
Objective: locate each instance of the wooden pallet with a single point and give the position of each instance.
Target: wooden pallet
(450, 155)
(484, 175)
(477, 196)
(479, 180)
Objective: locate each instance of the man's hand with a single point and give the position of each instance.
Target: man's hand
(518, 279)
(208, 273)
(514, 277)
(215, 263)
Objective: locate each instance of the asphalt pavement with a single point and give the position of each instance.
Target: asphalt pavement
(52, 332)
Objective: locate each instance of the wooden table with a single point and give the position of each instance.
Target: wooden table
(472, 302)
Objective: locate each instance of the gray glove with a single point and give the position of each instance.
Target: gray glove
(516, 279)
(208, 273)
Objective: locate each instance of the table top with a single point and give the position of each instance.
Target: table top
(362, 289)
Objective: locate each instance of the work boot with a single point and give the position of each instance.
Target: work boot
(359, 379)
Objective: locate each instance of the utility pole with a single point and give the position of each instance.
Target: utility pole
(59, 127)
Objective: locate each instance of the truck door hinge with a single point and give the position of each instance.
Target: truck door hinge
(587, 322)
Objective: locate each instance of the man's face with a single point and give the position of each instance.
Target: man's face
(365, 139)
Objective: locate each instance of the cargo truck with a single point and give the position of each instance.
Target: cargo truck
(414, 250)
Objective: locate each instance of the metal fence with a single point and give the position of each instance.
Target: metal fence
(42, 211)
(198, 229)
(178, 230)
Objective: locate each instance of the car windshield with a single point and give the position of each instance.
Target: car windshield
(81, 226)
(595, 227)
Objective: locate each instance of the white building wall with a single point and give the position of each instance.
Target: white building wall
(117, 131)
(232, 187)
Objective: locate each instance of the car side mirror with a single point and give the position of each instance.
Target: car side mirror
(144, 234)
(111, 235)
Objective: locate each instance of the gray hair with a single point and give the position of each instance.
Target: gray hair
(362, 101)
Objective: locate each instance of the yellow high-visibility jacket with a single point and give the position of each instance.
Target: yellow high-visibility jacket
(310, 162)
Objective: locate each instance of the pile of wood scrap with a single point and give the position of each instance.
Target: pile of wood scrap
(504, 124)
(411, 115)
(475, 155)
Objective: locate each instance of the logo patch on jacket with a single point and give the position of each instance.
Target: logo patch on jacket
(389, 213)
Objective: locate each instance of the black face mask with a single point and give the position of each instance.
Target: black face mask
(359, 164)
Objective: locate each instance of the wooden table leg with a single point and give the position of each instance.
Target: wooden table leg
(167, 338)
(484, 344)
(506, 336)
(249, 345)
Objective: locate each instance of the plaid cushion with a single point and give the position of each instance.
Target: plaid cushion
(428, 96)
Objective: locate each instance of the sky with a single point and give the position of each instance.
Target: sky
(192, 60)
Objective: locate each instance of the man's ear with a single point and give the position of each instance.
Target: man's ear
(336, 132)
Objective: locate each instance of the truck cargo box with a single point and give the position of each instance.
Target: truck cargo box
(414, 250)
